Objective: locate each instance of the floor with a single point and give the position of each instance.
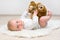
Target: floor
(55, 35)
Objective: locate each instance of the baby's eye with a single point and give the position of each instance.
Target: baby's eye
(17, 24)
(16, 21)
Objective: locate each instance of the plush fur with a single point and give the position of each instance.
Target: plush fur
(37, 6)
(31, 9)
(40, 7)
(41, 10)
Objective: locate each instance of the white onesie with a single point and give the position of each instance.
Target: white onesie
(28, 22)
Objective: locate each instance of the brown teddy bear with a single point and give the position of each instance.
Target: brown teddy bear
(42, 11)
(40, 7)
(31, 8)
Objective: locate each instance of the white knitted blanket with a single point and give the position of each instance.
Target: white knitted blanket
(52, 24)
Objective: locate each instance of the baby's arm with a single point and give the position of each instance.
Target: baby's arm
(35, 18)
(24, 14)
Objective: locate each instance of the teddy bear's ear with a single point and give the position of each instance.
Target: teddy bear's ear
(38, 4)
(32, 3)
(32, 7)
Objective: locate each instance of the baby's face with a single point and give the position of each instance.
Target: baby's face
(15, 25)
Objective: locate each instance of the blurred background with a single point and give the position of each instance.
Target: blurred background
(17, 7)
(12, 9)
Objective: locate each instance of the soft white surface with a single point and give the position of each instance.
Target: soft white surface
(53, 24)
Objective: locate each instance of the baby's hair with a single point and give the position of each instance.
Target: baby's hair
(9, 26)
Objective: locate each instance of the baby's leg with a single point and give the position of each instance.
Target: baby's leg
(44, 19)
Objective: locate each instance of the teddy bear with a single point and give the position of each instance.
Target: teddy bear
(32, 7)
(37, 6)
(42, 11)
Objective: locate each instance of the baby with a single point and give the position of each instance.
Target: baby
(24, 23)
(27, 21)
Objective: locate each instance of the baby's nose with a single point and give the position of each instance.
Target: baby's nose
(18, 22)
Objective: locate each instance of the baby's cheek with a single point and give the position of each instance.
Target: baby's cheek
(20, 26)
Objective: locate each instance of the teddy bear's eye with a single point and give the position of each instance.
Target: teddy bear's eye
(41, 7)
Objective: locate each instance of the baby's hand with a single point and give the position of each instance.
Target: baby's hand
(35, 12)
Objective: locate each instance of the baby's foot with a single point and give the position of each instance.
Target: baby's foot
(43, 23)
(44, 19)
(49, 13)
